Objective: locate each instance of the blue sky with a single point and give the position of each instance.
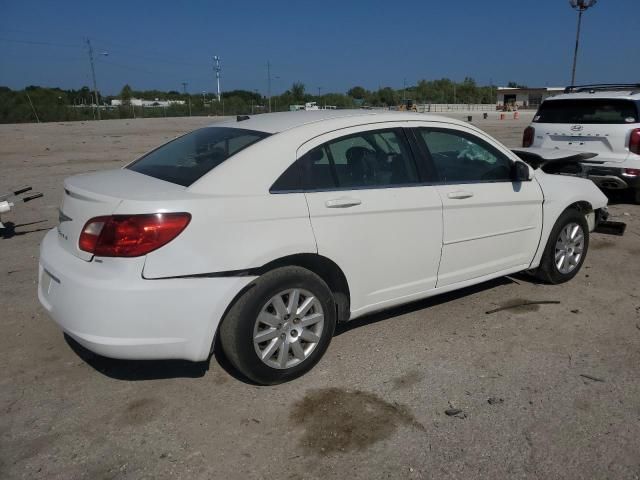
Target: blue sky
(329, 44)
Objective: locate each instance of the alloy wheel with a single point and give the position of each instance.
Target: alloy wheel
(288, 328)
(569, 248)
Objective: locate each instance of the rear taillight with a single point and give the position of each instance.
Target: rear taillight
(631, 172)
(527, 137)
(634, 141)
(131, 235)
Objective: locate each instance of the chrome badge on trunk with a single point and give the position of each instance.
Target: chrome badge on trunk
(61, 219)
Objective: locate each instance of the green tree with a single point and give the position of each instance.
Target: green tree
(387, 96)
(357, 92)
(297, 91)
(126, 94)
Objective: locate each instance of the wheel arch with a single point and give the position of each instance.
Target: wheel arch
(552, 213)
(326, 269)
(580, 205)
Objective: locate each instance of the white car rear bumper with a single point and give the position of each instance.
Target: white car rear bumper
(110, 309)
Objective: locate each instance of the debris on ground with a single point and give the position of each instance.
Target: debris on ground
(495, 400)
(453, 412)
(523, 304)
(591, 377)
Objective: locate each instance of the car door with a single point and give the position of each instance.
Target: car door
(491, 223)
(372, 213)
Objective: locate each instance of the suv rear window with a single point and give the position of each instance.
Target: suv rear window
(596, 111)
(187, 158)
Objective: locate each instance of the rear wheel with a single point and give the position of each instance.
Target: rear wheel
(635, 195)
(566, 248)
(280, 328)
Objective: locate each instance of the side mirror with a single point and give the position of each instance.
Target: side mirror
(521, 172)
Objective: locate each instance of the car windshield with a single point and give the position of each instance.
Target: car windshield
(187, 158)
(596, 111)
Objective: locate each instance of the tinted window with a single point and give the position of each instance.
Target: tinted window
(587, 111)
(369, 159)
(459, 157)
(186, 159)
(372, 159)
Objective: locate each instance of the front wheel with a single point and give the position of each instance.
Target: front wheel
(280, 328)
(566, 248)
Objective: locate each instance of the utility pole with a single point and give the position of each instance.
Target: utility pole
(93, 74)
(269, 83)
(581, 6)
(216, 59)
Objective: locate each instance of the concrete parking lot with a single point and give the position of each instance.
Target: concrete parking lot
(544, 391)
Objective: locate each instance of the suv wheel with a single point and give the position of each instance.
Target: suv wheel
(281, 327)
(566, 248)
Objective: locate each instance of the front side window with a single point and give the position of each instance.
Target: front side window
(187, 158)
(375, 159)
(459, 157)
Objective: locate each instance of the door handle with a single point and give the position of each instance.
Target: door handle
(344, 202)
(460, 195)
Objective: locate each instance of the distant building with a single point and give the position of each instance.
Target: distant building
(138, 102)
(310, 106)
(525, 97)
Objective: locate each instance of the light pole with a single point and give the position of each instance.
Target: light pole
(217, 69)
(581, 6)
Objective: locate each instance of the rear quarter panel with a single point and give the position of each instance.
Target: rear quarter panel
(228, 233)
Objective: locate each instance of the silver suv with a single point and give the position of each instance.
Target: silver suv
(600, 124)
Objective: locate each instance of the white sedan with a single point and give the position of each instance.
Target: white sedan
(265, 232)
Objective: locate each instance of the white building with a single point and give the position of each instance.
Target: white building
(525, 97)
(310, 106)
(138, 102)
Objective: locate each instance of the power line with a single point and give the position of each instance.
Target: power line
(36, 42)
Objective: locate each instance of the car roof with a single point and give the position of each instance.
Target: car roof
(281, 121)
(598, 94)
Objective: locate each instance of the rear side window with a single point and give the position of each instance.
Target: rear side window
(587, 111)
(187, 158)
(376, 159)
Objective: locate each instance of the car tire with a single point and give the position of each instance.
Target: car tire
(635, 196)
(267, 334)
(566, 248)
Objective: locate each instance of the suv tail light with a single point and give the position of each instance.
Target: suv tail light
(527, 137)
(634, 141)
(131, 235)
(631, 172)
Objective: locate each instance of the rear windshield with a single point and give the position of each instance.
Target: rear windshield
(587, 111)
(187, 158)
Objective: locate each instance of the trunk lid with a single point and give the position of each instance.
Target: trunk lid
(592, 125)
(96, 194)
(608, 141)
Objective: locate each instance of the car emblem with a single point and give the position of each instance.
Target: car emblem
(63, 218)
(577, 128)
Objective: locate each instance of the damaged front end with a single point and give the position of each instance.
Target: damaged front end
(567, 162)
(577, 164)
